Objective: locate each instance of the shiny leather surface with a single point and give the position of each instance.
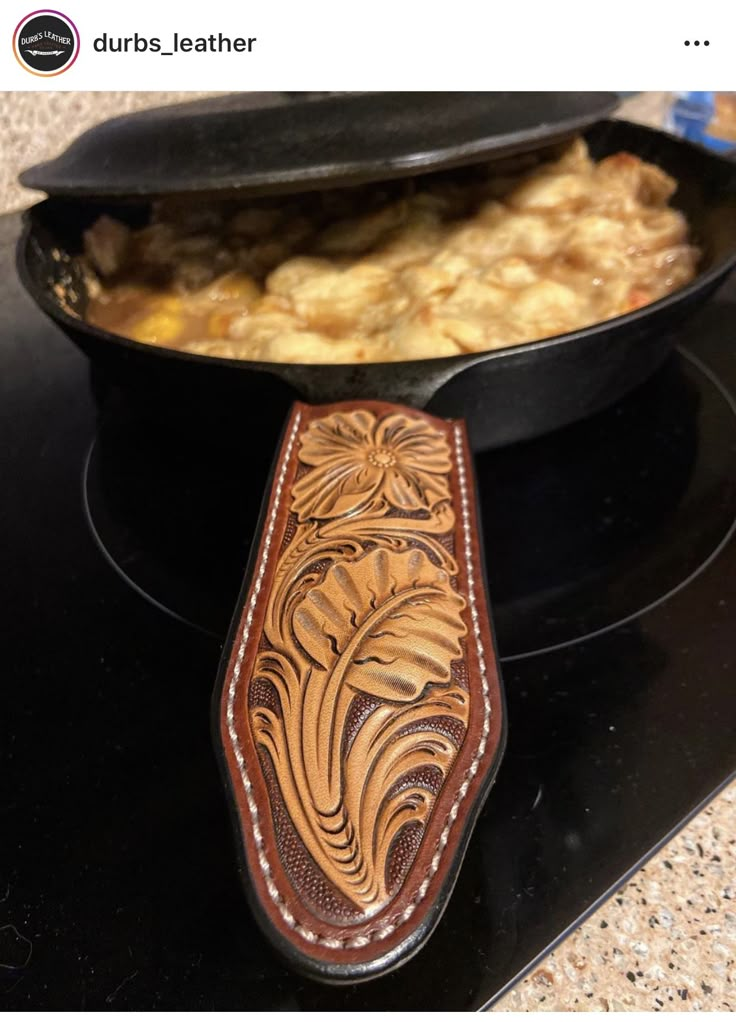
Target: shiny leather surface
(360, 713)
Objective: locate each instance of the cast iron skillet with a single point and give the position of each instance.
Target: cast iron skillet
(505, 395)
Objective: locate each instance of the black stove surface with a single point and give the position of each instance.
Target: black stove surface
(612, 569)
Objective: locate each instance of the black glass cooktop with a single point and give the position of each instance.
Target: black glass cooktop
(612, 569)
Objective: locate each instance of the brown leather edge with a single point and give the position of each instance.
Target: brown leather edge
(351, 953)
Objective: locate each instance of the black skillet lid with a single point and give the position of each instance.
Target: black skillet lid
(261, 143)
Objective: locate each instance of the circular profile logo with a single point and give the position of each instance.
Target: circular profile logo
(46, 43)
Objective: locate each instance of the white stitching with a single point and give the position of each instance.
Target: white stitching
(240, 759)
(387, 930)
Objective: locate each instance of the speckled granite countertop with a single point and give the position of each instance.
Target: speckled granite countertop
(38, 125)
(667, 940)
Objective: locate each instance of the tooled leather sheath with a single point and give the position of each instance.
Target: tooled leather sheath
(360, 712)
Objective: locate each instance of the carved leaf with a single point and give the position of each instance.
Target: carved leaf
(388, 624)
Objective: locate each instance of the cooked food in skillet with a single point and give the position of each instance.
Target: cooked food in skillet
(450, 263)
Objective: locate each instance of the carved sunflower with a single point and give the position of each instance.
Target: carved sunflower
(359, 461)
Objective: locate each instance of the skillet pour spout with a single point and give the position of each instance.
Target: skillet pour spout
(359, 710)
(412, 383)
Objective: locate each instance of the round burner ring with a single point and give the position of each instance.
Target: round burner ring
(194, 574)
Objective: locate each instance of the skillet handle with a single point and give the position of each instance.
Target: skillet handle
(360, 710)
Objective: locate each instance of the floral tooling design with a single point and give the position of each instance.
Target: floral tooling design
(364, 615)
